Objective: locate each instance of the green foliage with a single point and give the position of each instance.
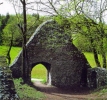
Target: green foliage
(26, 92)
(101, 93)
(3, 22)
(60, 28)
(82, 43)
(87, 32)
(11, 28)
(90, 58)
(65, 23)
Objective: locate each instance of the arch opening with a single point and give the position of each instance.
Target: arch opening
(41, 72)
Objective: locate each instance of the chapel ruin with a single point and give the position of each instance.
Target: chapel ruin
(50, 46)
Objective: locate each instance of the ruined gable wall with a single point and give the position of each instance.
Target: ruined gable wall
(51, 44)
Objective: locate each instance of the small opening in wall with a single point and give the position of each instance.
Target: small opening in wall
(41, 73)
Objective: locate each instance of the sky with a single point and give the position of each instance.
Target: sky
(6, 7)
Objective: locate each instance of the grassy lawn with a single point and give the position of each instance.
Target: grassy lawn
(14, 51)
(39, 71)
(90, 58)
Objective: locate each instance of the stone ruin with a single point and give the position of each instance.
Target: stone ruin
(51, 46)
(96, 77)
(7, 88)
(66, 65)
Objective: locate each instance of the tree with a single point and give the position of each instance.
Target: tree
(64, 10)
(97, 16)
(8, 30)
(3, 22)
(88, 30)
(93, 21)
(11, 28)
(24, 29)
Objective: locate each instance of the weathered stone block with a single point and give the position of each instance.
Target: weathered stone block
(96, 77)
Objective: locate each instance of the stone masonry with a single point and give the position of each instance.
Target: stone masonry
(96, 77)
(50, 46)
(7, 89)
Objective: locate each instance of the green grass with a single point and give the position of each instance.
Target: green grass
(100, 93)
(90, 58)
(39, 72)
(14, 51)
(26, 92)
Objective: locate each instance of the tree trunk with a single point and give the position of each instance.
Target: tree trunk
(103, 54)
(104, 59)
(24, 56)
(95, 54)
(8, 53)
(96, 58)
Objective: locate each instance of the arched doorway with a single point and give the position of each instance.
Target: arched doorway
(41, 72)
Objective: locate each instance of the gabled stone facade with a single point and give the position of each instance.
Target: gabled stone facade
(51, 46)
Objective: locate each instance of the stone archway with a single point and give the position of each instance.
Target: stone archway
(64, 62)
(47, 67)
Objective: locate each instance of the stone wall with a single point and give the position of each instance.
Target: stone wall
(7, 89)
(96, 77)
(51, 46)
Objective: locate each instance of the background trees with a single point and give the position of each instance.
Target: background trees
(3, 22)
(84, 22)
(87, 18)
(12, 28)
(95, 12)
(23, 26)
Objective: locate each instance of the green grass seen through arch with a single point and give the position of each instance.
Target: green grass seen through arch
(39, 71)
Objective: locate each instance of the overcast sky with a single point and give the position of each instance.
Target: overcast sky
(6, 7)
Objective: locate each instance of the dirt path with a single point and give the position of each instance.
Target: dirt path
(53, 93)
